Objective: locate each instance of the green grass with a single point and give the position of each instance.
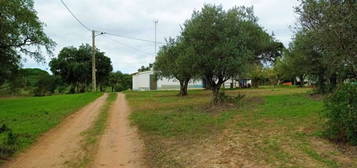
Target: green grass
(279, 127)
(186, 118)
(31, 116)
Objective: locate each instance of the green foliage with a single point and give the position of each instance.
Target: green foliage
(324, 48)
(341, 112)
(332, 25)
(119, 81)
(31, 76)
(175, 60)
(7, 142)
(27, 118)
(261, 75)
(21, 32)
(75, 67)
(225, 42)
(144, 68)
(47, 84)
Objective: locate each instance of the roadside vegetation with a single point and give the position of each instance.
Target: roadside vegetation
(22, 120)
(270, 127)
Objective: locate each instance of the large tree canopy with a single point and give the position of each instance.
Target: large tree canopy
(74, 66)
(21, 32)
(175, 60)
(332, 25)
(225, 42)
(324, 48)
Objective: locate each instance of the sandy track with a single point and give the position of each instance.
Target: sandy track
(120, 146)
(60, 144)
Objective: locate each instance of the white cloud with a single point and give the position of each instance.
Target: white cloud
(134, 18)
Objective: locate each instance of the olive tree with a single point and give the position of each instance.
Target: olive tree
(331, 26)
(175, 61)
(225, 42)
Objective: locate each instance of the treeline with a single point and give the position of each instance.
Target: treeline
(21, 33)
(71, 73)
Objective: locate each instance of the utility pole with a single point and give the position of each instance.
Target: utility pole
(155, 22)
(94, 82)
(94, 70)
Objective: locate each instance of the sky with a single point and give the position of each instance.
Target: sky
(135, 19)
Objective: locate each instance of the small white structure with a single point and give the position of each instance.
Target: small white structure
(141, 80)
(146, 81)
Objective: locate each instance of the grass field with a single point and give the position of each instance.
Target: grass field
(29, 117)
(272, 127)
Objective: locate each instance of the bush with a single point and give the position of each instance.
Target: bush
(223, 98)
(8, 142)
(341, 112)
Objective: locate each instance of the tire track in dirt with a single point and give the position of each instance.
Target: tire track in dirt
(61, 143)
(120, 145)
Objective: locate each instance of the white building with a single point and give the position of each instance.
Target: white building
(146, 81)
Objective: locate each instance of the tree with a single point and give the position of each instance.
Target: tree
(225, 42)
(46, 85)
(21, 33)
(75, 67)
(331, 28)
(175, 60)
(119, 81)
(143, 68)
(304, 59)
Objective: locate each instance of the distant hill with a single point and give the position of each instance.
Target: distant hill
(32, 75)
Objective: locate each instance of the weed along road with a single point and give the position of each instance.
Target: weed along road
(120, 146)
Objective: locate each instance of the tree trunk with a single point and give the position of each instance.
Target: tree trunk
(216, 91)
(183, 87)
(301, 80)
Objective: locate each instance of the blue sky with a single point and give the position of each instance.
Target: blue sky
(134, 18)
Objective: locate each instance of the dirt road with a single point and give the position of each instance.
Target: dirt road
(120, 146)
(60, 144)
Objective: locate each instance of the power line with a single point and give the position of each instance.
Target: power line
(134, 48)
(113, 34)
(74, 16)
(132, 38)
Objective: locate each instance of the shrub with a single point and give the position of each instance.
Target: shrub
(341, 113)
(223, 98)
(8, 142)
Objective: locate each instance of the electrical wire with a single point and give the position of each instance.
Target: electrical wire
(133, 48)
(132, 38)
(112, 34)
(74, 16)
